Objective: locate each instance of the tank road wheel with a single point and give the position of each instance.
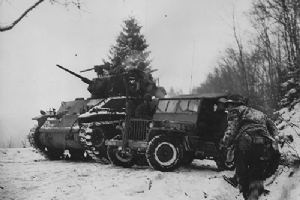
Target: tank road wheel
(77, 154)
(120, 158)
(53, 154)
(163, 153)
(93, 141)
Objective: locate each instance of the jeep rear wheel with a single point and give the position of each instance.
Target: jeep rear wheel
(163, 153)
(120, 157)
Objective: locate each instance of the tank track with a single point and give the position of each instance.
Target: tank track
(86, 140)
(95, 149)
(33, 141)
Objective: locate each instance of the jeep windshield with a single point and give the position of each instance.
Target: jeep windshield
(178, 106)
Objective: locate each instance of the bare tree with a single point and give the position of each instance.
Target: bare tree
(266, 68)
(282, 18)
(32, 7)
(16, 21)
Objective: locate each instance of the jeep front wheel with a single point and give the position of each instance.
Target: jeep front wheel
(163, 153)
(119, 157)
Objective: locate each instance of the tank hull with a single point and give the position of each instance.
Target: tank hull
(60, 138)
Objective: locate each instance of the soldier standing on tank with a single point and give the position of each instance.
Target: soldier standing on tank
(252, 135)
(146, 109)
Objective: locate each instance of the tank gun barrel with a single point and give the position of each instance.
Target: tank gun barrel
(83, 79)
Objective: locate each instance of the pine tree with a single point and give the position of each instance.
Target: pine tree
(130, 49)
(130, 54)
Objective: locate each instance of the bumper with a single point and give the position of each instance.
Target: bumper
(131, 144)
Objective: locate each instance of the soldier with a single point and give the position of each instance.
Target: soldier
(252, 135)
(146, 109)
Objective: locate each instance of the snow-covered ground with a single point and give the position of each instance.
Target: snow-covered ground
(24, 174)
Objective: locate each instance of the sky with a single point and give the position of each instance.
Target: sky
(185, 37)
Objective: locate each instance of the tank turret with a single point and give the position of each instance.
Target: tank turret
(110, 83)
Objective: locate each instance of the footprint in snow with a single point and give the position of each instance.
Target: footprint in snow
(159, 177)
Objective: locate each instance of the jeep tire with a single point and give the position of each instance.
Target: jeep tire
(164, 153)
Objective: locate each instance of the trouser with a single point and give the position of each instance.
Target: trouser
(250, 165)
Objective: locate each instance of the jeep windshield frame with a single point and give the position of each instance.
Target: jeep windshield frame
(177, 110)
(178, 106)
(183, 108)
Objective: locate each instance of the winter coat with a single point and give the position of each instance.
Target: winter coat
(243, 119)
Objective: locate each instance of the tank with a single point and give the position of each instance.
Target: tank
(78, 124)
(58, 131)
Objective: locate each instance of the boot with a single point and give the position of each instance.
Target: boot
(256, 188)
(253, 195)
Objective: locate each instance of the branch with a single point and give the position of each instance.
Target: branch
(9, 27)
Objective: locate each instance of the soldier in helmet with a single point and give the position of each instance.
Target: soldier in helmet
(146, 109)
(252, 134)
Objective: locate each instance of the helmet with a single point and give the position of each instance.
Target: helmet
(236, 99)
(222, 100)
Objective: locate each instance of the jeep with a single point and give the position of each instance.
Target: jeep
(183, 128)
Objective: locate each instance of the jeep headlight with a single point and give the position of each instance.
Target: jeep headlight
(151, 125)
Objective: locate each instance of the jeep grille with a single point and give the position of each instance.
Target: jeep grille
(138, 129)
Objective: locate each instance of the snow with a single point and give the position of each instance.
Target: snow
(99, 110)
(287, 185)
(24, 174)
(289, 124)
(102, 112)
(27, 175)
(291, 91)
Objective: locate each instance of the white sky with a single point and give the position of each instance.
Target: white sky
(185, 37)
